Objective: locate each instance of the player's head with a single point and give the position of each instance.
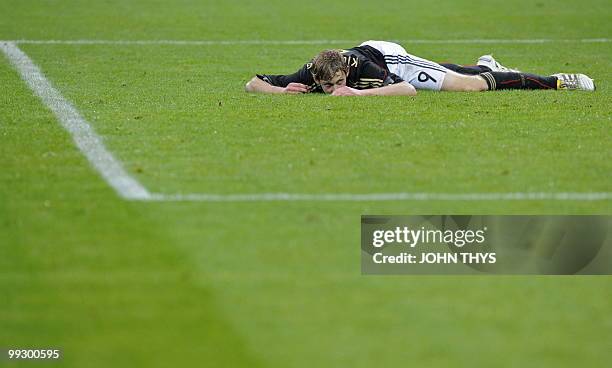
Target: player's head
(329, 70)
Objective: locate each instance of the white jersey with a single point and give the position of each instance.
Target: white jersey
(421, 73)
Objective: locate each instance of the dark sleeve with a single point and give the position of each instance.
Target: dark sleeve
(301, 76)
(393, 78)
(373, 76)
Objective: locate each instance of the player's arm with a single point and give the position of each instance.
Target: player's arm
(295, 83)
(378, 82)
(257, 85)
(398, 89)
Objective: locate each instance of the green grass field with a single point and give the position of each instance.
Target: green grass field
(119, 283)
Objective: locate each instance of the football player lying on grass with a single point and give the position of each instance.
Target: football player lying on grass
(385, 68)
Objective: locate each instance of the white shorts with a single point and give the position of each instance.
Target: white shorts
(421, 73)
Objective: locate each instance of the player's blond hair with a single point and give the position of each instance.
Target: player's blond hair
(327, 63)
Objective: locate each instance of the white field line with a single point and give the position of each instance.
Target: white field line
(82, 133)
(302, 42)
(112, 171)
(347, 197)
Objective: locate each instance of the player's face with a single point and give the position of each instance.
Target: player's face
(339, 80)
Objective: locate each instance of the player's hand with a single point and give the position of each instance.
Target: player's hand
(346, 91)
(296, 88)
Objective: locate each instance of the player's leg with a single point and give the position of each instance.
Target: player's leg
(490, 81)
(504, 80)
(485, 63)
(495, 76)
(466, 69)
(455, 82)
(498, 76)
(501, 77)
